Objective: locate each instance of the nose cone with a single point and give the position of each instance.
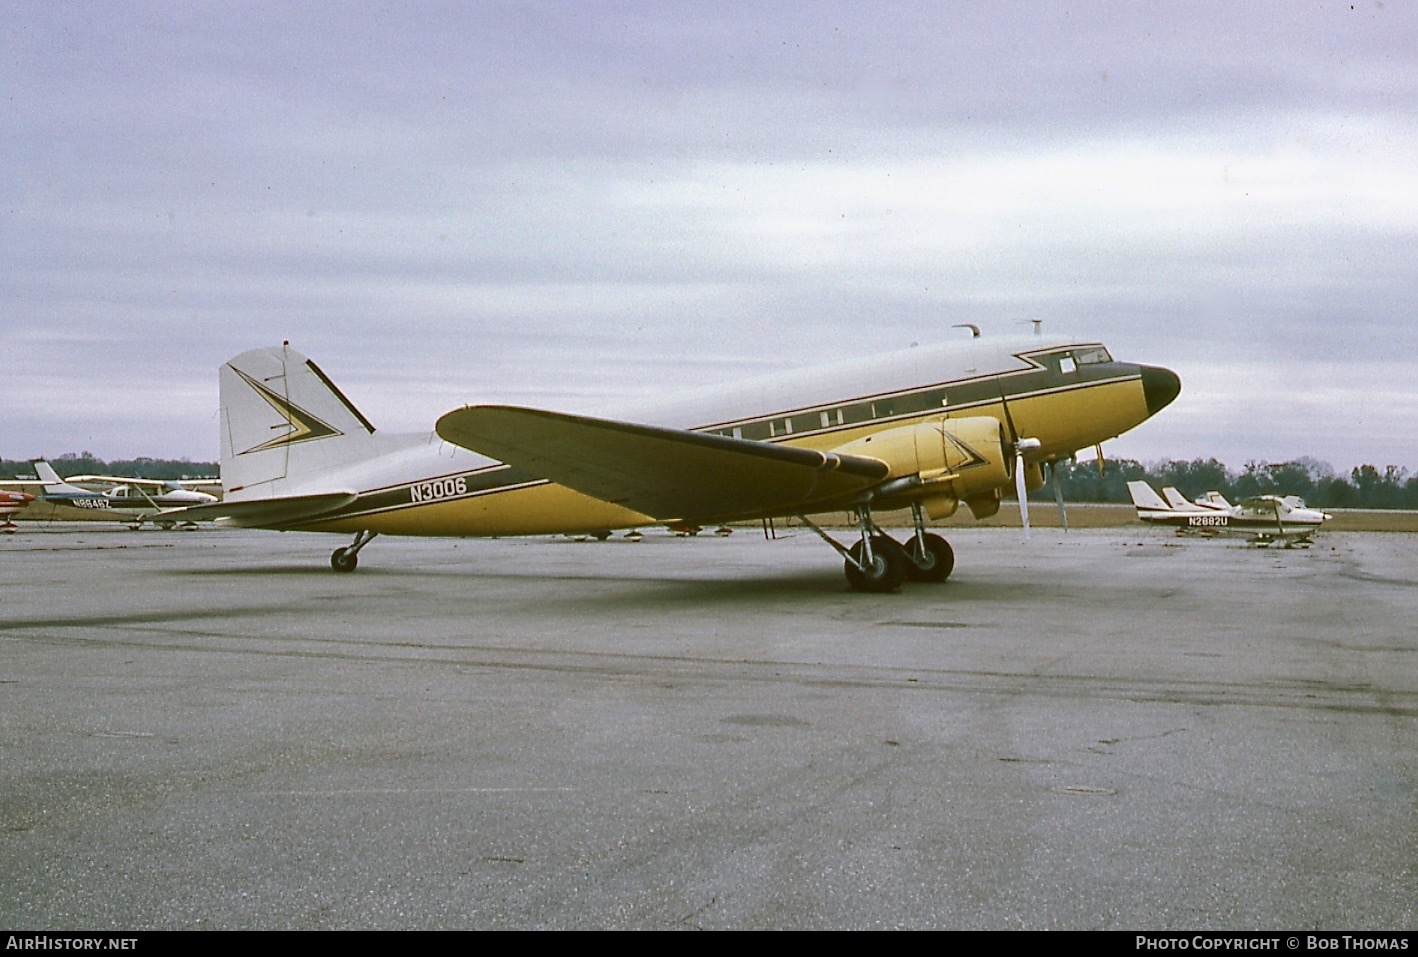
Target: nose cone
(1159, 387)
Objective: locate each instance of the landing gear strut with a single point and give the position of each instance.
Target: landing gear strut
(879, 563)
(932, 558)
(347, 559)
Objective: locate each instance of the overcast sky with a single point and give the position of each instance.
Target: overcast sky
(566, 204)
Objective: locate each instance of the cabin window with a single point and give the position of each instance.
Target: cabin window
(803, 423)
(920, 402)
(853, 414)
(1067, 365)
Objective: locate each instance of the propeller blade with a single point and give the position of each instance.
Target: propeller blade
(1020, 491)
(1058, 494)
(1099, 449)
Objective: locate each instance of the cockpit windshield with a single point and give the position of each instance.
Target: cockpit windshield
(1091, 355)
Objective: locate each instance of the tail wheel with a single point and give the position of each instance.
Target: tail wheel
(935, 565)
(343, 560)
(886, 570)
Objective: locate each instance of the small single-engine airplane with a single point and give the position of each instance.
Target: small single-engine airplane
(1263, 519)
(128, 502)
(126, 491)
(10, 503)
(923, 429)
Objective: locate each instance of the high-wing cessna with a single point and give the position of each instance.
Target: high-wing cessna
(923, 429)
(1263, 518)
(124, 491)
(130, 501)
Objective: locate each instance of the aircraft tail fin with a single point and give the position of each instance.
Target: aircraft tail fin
(283, 421)
(46, 474)
(1216, 498)
(1143, 497)
(53, 484)
(1176, 499)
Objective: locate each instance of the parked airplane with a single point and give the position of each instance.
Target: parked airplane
(56, 491)
(923, 429)
(127, 502)
(10, 503)
(124, 490)
(135, 493)
(1263, 518)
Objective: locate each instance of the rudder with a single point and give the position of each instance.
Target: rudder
(282, 419)
(1144, 497)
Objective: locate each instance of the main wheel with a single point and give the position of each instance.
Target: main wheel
(342, 560)
(936, 565)
(885, 572)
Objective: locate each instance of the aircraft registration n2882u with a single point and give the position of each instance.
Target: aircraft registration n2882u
(927, 429)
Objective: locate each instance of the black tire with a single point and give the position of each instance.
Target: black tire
(342, 560)
(887, 569)
(938, 563)
(601, 536)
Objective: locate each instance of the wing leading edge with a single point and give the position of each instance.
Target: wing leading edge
(668, 474)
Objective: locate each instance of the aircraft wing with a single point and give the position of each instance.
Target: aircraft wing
(665, 473)
(155, 483)
(261, 512)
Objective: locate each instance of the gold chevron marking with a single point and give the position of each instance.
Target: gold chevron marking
(972, 458)
(304, 427)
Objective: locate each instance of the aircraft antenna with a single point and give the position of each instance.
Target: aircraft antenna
(974, 329)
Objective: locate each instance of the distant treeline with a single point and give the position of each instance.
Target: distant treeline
(1315, 482)
(84, 463)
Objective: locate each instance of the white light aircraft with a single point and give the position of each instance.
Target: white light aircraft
(923, 429)
(129, 502)
(1263, 519)
(124, 490)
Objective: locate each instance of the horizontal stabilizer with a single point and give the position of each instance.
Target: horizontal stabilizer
(664, 473)
(262, 512)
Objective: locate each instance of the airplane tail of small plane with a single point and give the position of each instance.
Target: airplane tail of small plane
(1145, 499)
(1219, 500)
(53, 484)
(283, 420)
(1176, 499)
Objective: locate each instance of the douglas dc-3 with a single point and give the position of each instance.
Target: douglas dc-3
(923, 429)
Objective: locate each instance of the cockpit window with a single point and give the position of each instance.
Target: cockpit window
(1091, 355)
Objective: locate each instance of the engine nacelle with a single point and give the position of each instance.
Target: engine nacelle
(949, 460)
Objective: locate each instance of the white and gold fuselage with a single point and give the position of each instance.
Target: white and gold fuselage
(288, 432)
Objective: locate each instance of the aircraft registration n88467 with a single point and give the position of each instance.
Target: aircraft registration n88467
(926, 429)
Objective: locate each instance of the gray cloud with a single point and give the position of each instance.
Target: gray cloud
(570, 203)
